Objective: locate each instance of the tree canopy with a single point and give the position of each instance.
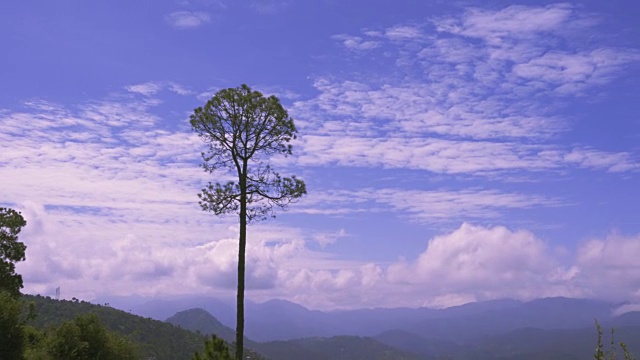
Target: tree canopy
(11, 250)
(242, 129)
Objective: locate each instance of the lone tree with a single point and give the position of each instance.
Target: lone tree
(242, 130)
(11, 250)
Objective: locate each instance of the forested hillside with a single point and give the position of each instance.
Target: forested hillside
(155, 339)
(199, 320)
(335, 348)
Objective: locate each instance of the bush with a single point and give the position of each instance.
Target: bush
(610, 354)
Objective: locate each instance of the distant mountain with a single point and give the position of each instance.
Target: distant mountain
(162, 308)
(521, 344)
(342, 347)
(284, 320)
(199, 320)
(550, 313)
(627, 319)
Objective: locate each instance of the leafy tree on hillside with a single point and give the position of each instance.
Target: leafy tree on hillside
(11, 250)
(243, 129)
(85, 338)
(214, 349)
(11, 327)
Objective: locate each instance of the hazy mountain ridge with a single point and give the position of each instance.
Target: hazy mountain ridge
(337, 347)
(284, 320)
(166, 341)
(554, 328)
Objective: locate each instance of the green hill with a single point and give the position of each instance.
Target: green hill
(201, 321)
(335, 348)
(156, 339)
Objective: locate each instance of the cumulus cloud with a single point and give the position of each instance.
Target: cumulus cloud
(609, 267)
(473, 263)
(482, 262)
(469, 263)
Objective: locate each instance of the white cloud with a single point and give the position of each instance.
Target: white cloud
(452, 156)
(153, 87)
(480, 260)
(187, 19)
(595, 159)
(609, 267)
(482, 97)
(149, 88)
(356, 43)
(179, 89)
(451, 104)
(421, 205)
(403, 32)
(512, 21)
(88, 253)
(324, 239)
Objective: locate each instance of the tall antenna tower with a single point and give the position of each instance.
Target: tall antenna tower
(58, 293)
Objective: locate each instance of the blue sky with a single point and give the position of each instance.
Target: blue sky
(453, 151)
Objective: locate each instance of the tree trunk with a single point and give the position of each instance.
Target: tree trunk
(241, 268)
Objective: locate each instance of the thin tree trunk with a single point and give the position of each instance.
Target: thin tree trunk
(241, 269)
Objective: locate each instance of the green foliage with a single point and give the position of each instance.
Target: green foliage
(85, 338)
(242, 129)
(335, 348)
(199, 320)
(11, 327)
(214, 349)
(11, 250)
(152, 338)
(611, 353)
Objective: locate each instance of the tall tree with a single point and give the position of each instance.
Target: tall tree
(243, 129)
(11, 250)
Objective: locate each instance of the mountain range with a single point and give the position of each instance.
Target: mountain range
(283, 320)
(553, 328)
